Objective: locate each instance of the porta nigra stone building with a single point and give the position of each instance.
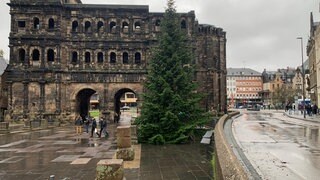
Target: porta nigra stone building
(62, 52)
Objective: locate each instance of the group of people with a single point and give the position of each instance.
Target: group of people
(309, 108)
(88, 121)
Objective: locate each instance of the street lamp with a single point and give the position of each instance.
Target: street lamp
(302, 68)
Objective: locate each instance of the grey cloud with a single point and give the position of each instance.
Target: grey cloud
(260, 33)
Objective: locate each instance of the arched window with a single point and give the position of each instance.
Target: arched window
(74, 58)
(87, 26)
(100, 57)
(22, 55)
(75, 26)
(50, 55)
(35, 55)
(137, 25)
(125, 25)
(137, 58)
(87, 57)
(183, 24)
(36, 23)
(100, 26)
(112, 26)
(113, 57)
(51, 23)
(125, 58)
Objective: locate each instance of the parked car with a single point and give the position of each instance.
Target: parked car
(125, 108)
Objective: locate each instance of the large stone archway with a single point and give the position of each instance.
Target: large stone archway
(118, 95)
(109, 97)
(83, 101)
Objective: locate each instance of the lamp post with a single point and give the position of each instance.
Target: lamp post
(302, 68)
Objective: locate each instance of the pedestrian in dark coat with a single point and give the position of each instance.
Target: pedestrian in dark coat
(93, 126)
(103, 127)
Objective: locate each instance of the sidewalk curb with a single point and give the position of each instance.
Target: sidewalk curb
(303, 119)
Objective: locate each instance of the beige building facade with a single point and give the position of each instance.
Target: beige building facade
(313, 52)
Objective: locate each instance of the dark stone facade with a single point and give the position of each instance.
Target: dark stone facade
(63, 51)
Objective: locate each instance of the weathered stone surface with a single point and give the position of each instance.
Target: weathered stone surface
(134, 138)
(110, 169)
(124, 142)
(133, 131)
(228, 165)
(126, 154)
(50, 74)
(123, 131)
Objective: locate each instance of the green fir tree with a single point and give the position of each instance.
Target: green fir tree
(171, 108)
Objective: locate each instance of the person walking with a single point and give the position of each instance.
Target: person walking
(87, 123)
(103, 127)
(78, 123)
(93, 126)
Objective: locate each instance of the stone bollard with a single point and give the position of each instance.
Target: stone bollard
(124, 136)
(4, 127)
(110, 169)
(44, 123)
(124, 151)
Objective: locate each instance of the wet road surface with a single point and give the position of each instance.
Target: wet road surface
(279, 147)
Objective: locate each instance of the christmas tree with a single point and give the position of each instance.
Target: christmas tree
(171, 108)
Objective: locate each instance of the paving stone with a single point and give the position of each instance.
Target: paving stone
(81, 161)
(66, 158)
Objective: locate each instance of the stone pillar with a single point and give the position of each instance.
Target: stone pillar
(110, 169)
(124, 151)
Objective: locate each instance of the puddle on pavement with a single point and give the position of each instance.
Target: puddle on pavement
(93, 144)
(23, 136)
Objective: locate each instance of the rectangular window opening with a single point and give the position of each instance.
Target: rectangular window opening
(21, 24)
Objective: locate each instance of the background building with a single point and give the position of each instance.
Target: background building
(282, 87)
(3, 96)
(243, 87)
(313, 52)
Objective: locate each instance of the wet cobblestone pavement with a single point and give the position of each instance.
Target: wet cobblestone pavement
(36, 155)
(183, 162)
(59, 152)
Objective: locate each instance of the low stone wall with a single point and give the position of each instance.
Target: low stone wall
(226, 163)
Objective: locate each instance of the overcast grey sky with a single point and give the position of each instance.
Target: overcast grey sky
(260, 33)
